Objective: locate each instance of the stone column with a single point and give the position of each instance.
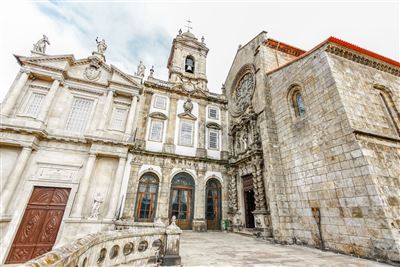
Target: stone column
(224, 134)
(141, 132)
(129, 205)
(164, 193)
(116, 187)
(49, 100)
(201, 150)
(84, 185)
(233, 203)
(131, 115)
(9, 103)
(106, 109)
(14, 179)
(199, 222)
(169, 145)
(124, 184)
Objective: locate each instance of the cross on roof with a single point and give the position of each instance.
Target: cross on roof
(188, 25)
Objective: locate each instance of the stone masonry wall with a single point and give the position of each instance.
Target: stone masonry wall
(325, 166)
(376, 124)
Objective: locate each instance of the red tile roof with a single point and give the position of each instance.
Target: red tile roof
(346, 45)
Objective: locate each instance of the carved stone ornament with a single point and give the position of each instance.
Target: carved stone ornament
(92, 72)
(243, 90)
(188, 106)
(188, 87)
(40, 45)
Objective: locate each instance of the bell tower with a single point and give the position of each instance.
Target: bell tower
(187, 61)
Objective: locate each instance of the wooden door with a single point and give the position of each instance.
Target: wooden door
(181, 207)
(249, 207)
(213, 205)
(39, 227)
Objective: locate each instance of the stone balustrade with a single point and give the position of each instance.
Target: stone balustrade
(133, 246)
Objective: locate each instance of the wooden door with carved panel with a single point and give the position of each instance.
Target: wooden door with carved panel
(39, 227)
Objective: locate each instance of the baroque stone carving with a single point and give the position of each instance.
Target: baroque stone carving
(233, 204)
(92, 72)
(40, 45)
(243, 90)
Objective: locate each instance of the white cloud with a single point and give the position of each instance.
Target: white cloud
(140, 31)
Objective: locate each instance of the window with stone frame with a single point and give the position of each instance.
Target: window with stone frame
(213, 113)
(79, 114)
(186, 129)
(118, 118)
(34, 104)
(156, 130)
(298, 104)
(213, 139)
(160, 102)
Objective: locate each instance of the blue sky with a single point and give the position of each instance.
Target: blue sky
(144, 30)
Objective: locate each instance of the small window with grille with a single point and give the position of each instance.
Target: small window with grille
(34, 104)
(156, 130)
(79, 114)
(213, 136)
(118, 118)
(213, 113)
(160, 102)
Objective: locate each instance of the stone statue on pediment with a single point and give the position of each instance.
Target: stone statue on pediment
(140, 69)
(40, 45)
(101, 46)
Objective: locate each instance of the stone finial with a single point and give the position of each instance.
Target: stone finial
(159, 223)
(101, 46)
(140, 69)
(180, 31)
(40, 45)
(151, 71)
(203, 39)
(173, 228)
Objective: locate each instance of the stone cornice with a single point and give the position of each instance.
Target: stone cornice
(362, 59)
(150, 86)
(176, 156)
(86, 90)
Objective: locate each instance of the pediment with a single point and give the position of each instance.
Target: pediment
(187, 116)
(120, 77)
(61, 62)
(213, 125)
(158, 115)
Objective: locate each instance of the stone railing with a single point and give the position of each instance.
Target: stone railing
(134, 246)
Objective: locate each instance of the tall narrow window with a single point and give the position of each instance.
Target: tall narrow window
(213, 113)
(160, 102)
(147, 198)
(34, 103)
(156, 130)
(299, 106)
(186, 133)
(390, 110)
(189, 64)
(118, 118)
(213, 137)
(79, 114)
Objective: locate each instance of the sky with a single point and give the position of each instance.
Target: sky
(144, 30)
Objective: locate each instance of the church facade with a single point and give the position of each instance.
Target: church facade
(300, 147)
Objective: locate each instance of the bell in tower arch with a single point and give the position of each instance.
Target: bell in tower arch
(189, 64)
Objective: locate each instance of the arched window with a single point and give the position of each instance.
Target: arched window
(298, 104)
(390, 107)
(189, 64)
(147, 198)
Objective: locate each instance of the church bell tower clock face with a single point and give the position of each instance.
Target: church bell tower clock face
(243, 93)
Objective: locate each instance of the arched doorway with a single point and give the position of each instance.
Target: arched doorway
(213, 204)
(146, 198)
(182, 199)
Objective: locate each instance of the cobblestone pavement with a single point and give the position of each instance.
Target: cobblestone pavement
(228, 249)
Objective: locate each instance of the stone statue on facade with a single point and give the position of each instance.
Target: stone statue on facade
(95, 212)
(101, 46)
(40, 45)
(188, 106)
(140, 69)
